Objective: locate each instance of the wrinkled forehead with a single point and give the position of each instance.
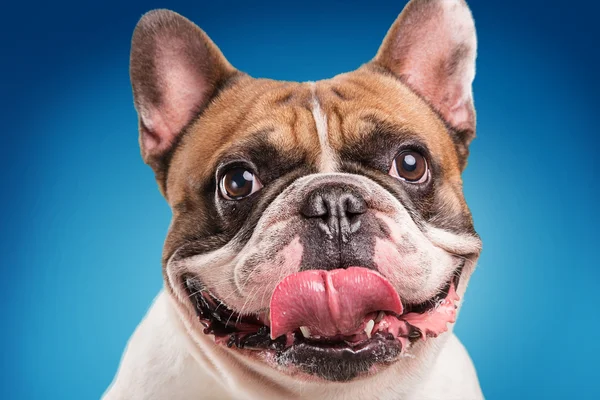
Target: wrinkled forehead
(351, 115)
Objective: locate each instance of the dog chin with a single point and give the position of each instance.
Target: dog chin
(380, 340)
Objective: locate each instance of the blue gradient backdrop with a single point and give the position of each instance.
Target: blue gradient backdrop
(83, 222)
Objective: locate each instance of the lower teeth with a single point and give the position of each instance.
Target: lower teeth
(305, 331)
(369, 328)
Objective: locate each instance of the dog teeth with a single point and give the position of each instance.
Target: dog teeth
(305, 331)
(380, 316)
(369, 328)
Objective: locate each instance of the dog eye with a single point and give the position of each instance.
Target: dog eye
(238, 183)
(410, 166)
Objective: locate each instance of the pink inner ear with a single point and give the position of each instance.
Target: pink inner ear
(449, 93)
(157, 136)
(183, 90)
(434, 50)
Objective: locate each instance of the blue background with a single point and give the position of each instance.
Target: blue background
(83, 222)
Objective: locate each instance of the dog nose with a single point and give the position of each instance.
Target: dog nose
(336, 209)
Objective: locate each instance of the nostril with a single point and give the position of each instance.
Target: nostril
(353, 205)
(315, 207)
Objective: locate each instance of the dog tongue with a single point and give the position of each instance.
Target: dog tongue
(330, 303)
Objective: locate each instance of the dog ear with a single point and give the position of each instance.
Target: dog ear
(175, 71)
(432, 47)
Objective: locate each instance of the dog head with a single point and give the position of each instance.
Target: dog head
(319, 229)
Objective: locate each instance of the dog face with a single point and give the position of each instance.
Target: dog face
(318, 228)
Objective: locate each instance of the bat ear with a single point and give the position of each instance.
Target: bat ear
(432, 47)
(175, 70)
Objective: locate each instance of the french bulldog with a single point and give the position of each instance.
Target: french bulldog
(320, 243)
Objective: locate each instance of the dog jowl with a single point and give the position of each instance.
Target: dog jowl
(319, 229)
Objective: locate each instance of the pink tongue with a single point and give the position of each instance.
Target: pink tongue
(330, 303)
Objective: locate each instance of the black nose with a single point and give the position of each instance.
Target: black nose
(336, 209)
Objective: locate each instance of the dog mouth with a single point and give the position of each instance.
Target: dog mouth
(364, 322)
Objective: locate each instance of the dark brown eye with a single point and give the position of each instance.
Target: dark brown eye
(410, 166)
(238, 183)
